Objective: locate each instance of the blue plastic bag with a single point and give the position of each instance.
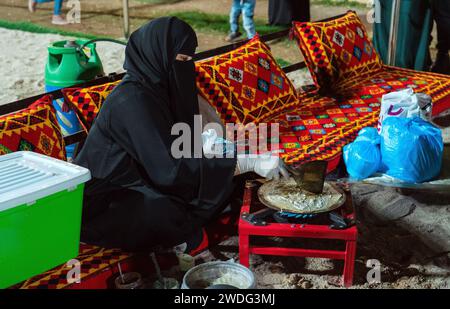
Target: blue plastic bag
(363, 157)
(411, 149)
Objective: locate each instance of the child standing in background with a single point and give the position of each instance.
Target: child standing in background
(247, 9)
(57, 18)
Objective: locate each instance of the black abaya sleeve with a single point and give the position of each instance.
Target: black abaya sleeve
(145, 134)
(143, 129)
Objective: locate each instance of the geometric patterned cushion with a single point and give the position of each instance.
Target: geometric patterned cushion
(245, 85)
(390, 79)
(87, 101)
(320, 127)
(33, 129)
(336, 50)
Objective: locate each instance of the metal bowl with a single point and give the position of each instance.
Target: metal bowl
(208, 275)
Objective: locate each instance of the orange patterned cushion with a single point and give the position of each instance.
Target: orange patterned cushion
(87, 101)
(245, 85)
(336, 50)
(33, 129)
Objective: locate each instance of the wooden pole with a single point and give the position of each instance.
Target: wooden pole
(393, 35)
(126, 20)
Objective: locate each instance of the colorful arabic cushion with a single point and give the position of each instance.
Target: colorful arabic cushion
(322, 126)
(336, 50)
(33, 129)
(318, 129)
(245, 85)
(88, 101)
(390, 79)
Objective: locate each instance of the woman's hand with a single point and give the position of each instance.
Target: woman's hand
(215, 146)
(268, 165)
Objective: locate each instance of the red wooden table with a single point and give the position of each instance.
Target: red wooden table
(312, 231)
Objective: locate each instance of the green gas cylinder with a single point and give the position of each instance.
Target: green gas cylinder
(70, 63)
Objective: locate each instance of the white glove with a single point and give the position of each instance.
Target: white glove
(209, 137)
(216, 146)
(267, 165)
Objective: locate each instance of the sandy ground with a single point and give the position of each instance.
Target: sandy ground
(407, 232)
(23, 62)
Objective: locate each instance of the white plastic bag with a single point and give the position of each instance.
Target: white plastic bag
(402, 104)
(405, 104)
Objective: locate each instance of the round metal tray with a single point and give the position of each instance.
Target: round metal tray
(262, 197)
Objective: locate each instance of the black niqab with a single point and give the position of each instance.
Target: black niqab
(150, 57)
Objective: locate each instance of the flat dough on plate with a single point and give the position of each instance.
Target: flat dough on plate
(287, 196)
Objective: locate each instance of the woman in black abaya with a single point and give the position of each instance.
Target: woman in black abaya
(284, 12)
(140, 196)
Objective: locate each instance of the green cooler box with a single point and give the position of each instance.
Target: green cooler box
(41, 200)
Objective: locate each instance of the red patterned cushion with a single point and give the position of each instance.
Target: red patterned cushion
(97, 265)
(322, 126)
(394, 79)
(33, 129)
(245, 85)
(87, 101)
(319, 128)
(336, 50)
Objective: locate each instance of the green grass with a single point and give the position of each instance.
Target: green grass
(348, 3)
(344, 3)
(218, 22)
(282, 63)
(30, 27)
(160, 1)
(198, 20)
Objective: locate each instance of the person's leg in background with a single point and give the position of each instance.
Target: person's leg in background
(57, 18)
(235, 13)
(248, 12)
(441, 14)
(57, 7)
(32, 4)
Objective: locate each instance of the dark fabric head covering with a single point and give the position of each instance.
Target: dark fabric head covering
(150, 58)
